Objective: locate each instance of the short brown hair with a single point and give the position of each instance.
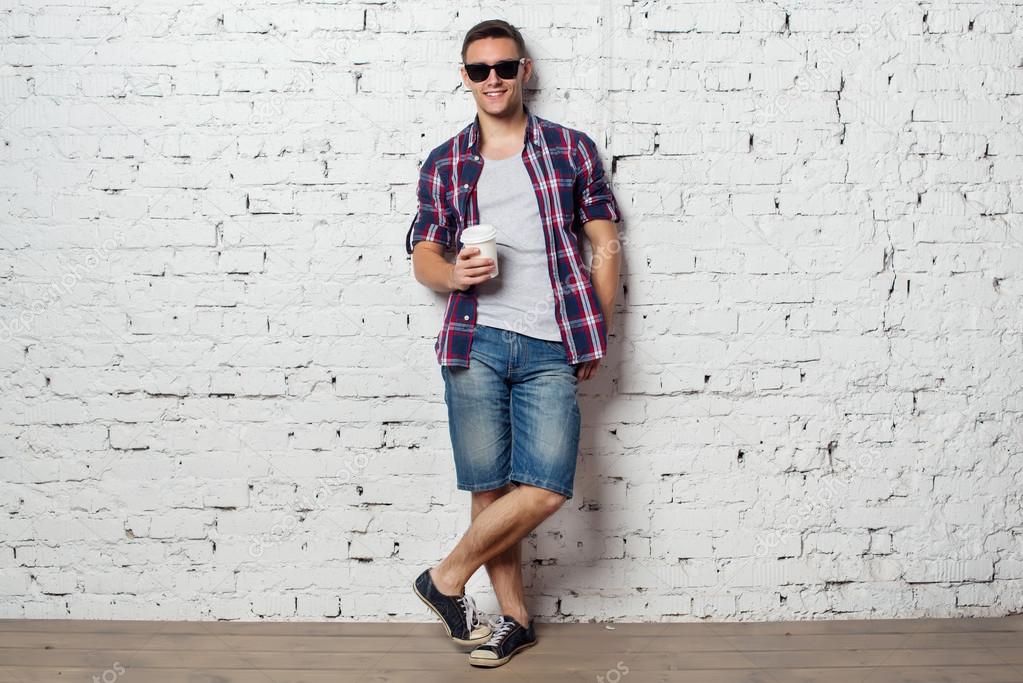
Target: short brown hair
(493, 28)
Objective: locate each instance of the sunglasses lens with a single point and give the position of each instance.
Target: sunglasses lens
(480, 72)
(507, 69)
(477, 72)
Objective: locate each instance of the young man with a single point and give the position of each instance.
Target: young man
(512, 349)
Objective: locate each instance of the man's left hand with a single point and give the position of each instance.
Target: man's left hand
(586, 369)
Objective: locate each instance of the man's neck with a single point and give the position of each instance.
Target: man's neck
(497, 130)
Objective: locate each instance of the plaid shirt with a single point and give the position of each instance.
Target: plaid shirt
(571, 189)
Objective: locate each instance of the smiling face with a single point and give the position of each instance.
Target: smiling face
(496, 96)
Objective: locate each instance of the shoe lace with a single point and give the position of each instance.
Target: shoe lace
(472, 613)
(503, 628)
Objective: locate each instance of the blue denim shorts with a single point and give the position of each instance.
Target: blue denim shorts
(513, 413)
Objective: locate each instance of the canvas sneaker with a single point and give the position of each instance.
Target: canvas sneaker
(509, 637)
(458, 613)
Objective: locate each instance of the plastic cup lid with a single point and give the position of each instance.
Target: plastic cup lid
(478, 233)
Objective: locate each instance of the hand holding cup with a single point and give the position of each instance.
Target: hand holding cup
(477, 261)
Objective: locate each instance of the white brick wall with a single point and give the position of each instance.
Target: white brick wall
(219, 394)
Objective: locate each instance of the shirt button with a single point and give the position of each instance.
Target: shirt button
(465, 317)
(476, 157)
(466, 186)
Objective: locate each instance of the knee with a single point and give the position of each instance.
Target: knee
(482, 499)
(547, 500)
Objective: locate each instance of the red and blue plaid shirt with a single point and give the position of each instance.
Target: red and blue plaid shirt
(571, 189)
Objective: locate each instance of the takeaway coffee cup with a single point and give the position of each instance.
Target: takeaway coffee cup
(484, 237)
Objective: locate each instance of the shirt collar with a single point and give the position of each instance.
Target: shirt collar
(532, 130)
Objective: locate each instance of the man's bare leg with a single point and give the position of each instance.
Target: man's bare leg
(496, 528)
(505, 569)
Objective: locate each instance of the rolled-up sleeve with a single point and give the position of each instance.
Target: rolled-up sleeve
(432, 220)
(593, 196)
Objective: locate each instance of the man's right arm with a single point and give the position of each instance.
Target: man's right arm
(431, 268)
(434, 271)
(432, 233)
(431, 226)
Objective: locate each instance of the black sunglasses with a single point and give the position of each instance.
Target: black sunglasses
(506, 69)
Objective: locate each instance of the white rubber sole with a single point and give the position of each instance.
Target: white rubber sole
(479, 661)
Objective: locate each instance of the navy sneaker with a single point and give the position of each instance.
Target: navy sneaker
(458, 613)
(509, 637)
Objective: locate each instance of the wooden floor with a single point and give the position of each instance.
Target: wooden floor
(875, 651)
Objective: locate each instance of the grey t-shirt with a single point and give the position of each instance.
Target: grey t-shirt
(521, 297)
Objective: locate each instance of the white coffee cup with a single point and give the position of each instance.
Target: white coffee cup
(483, 237)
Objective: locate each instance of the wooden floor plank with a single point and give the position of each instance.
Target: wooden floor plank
(887, 651)
(973, 624)
(400, 641)
(464, 673)
(545, 656)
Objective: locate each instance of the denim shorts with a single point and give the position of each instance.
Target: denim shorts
(513, 413)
